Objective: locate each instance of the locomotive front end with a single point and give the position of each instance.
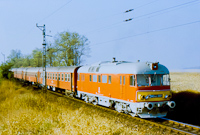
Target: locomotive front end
(153, 94)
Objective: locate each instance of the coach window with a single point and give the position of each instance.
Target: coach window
(109, 79)
(53, 76)
(56, 76)
(99, 78)
(90, 78)
(104, 78)
(94, 78)
(132, 80)
(48, 75)
(65, 77)
(68, 77)
(62, 77)
(124, 80)
(59, 76)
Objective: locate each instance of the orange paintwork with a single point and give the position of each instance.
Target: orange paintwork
(113, 90)
(62, 83)
(116, 89)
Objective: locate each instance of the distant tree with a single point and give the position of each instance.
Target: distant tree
(27, 61)
(15, 58)
(36, 60)
(51, 56)
(71, 47)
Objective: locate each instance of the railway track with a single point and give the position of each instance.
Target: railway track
(166, 125)
(180, 127)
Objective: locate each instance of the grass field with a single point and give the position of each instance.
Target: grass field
(181, 81)
(27, 111)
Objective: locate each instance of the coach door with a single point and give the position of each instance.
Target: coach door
(122, 86)
(72, 81)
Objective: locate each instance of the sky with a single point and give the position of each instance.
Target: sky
(164, 31)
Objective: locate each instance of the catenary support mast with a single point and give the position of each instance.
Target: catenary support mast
(42, 28)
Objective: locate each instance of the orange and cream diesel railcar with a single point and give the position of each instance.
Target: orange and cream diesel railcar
(140, 88)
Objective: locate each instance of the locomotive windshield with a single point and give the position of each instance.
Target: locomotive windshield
(152, 80)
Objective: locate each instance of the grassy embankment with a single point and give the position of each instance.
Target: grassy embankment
(27, 111)
(186, 94)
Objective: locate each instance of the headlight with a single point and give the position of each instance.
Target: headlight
(141, 97)
(147, 97)
(166, 96)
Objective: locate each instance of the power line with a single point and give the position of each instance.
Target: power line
(166, 10)
(166, 28)
(146, 4)
(55, 11)
(173, 10)
(113, 14)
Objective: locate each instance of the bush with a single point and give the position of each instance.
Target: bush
(5, 70)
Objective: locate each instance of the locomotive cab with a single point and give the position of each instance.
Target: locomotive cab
(153, 93)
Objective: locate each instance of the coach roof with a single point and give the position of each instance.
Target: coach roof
(61, 69)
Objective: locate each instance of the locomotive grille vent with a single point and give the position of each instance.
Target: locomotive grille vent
(97, 69)
(93, 69)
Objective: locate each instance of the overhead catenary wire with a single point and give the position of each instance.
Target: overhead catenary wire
(55, 11)
(119, 13)
(166, 9)
(45, 19)
(155, 13)
(148, 32)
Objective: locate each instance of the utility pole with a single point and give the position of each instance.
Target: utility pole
(4, 57)
(42, 28)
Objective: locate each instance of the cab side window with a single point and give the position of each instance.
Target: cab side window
(90, 78)
(99, 78)
(124, 80)
(109, 79)
(132, 80)
(104, 78)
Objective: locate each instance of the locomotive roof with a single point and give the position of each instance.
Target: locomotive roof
(123, 68)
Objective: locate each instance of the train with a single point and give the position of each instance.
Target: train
(136, 88)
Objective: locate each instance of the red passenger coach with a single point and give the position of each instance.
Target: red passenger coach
(140, 88)
(62, 77)
(34, 75)
(19, 73)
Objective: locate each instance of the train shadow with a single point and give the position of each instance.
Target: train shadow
(187, 107)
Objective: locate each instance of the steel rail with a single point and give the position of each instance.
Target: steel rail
(192, 129)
